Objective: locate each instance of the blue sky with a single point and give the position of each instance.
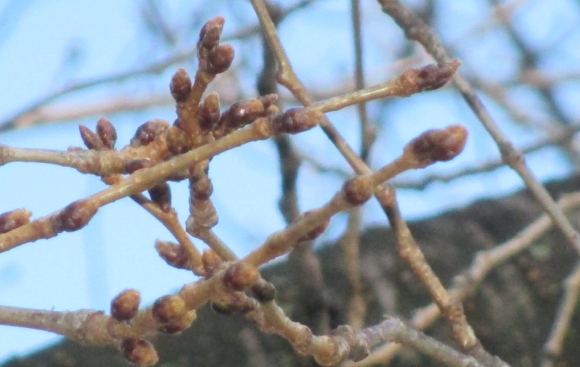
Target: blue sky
(52, 43)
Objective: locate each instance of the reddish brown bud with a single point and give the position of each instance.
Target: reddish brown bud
(180, 325)
(295, 120)
(107, 133)
(137, 164)
(14, 219)
(172, 253)
(139, 352)
(202, 188)
(358, 190)
(427, 78)
(209, 112)
(177, 141)
(180, 85)
(240, 275)
(91, 140)
(316, 232)
(169, 308)
(203, 215)
(161, 195)
(147, 132)
(210, 33)
(75, 216)
(263, 291)
(219, 59)
(436, 145)
(240, 114)
(125, 305)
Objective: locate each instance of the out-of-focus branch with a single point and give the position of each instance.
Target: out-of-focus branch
(555, 343)
(416, 30)
(22, 118)
(468, 281)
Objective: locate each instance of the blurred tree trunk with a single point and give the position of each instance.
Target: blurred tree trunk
(512, 311)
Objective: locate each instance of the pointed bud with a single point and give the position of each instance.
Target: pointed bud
(239, 114)
(91, 140)
(172, 253)
(436, 145)
(427, 78)
(209, 36)
(75, 216)
(107, 133)
(209, 112)
(295, 120)
(180, 85)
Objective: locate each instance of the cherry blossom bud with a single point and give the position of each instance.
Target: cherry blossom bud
(125, 305)
(107, 133)
(240, 275)
(139, 352)
(169, 308)
(437, 145)
(14, 219)
(91, 140)
(147, 132)
(180, 85)
(358, 190)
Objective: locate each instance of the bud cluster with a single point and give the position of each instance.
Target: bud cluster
(213, 58)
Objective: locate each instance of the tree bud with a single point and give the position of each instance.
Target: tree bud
(180, 85)
(147, 132)
(125, 305)
(437, 145)
(169, 308)
(139, 352)
(240, 275)
(107, 133)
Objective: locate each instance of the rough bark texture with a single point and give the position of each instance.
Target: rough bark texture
(512, 312)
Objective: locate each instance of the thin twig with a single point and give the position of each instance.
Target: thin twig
(416, 29)
(467, 282)
(555, 343)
